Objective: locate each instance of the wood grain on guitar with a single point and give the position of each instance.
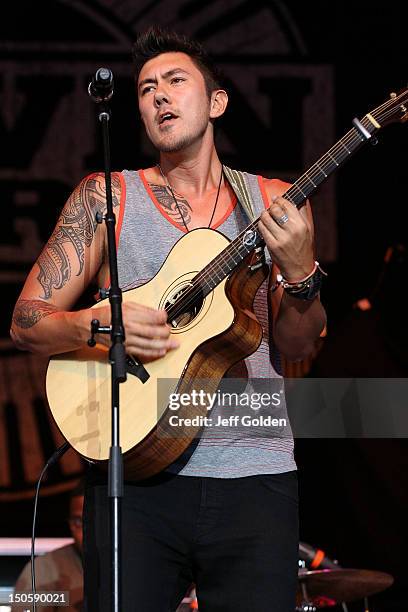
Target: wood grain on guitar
(207, 285)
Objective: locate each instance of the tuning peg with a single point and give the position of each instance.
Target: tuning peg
(393, 95)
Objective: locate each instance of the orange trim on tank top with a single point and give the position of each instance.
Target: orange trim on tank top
(163, 212)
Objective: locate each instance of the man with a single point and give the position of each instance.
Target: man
(223, 516)
(60, 569)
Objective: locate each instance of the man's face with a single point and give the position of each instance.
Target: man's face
(173, 101)
(75, 519)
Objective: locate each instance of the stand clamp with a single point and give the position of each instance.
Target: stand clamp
(97, 329)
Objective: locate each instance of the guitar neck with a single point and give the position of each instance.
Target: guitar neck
(328, 163)
(392, 110)
(248, 240)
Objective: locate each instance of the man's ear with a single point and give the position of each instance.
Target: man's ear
(218, 103)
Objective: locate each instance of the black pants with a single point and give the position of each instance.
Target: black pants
(236, 539)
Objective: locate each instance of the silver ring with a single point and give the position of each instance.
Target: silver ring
(282, 220)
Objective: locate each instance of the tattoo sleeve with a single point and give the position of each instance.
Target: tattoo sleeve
(28, 312)
(75, 229)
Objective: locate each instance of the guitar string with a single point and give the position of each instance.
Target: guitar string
(345, 140)
(209, 269)
(214, 269)
(233, 249)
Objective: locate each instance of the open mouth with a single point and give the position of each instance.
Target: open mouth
(166, 118)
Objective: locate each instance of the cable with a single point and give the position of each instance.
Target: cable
(57, 454)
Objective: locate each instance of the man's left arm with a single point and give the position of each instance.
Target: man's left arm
(288, 234)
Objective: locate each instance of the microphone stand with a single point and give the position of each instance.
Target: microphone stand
(117, 356)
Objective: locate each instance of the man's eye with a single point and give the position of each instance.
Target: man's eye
(177, 79)
(147, 89)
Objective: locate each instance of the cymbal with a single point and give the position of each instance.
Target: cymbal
(340, 585)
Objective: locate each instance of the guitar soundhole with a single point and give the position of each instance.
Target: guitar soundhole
(183, 310)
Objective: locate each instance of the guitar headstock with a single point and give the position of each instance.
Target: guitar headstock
(393, 110)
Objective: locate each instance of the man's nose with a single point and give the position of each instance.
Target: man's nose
(161, 97)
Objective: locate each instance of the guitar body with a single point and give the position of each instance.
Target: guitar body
(215, 333)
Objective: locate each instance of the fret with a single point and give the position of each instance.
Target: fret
(358, 138)
(247, 241)
(344, 146)
(216, 273)
(245, 248)
(295, 198)
(309, 179)
(236, 262)
(321, 169)
(297, 187)
(317, 176)
(288, 197)
(330, 155)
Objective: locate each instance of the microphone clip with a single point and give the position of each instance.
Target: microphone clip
(100, 89)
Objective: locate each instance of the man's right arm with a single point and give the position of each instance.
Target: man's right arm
(43, 321)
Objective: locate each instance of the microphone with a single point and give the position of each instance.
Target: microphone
(101, 87)
(316, 557)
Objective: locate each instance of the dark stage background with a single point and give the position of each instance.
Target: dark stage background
(298, 72)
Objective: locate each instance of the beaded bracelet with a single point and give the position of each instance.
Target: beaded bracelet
(306, 288)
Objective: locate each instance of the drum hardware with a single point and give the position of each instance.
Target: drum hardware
(329, 587)
(326, 588)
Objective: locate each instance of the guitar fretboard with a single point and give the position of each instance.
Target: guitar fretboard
(249, 239)
(220, 267)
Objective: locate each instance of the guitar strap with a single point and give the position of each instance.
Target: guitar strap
(238, 183)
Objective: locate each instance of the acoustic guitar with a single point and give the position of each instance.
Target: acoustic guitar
(207, 285)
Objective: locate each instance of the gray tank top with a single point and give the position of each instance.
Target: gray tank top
(145, 237)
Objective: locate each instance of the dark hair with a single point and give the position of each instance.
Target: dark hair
(157, 40)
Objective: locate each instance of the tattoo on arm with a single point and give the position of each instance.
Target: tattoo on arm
(28, 312)
(166, 200)
(75, 230)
